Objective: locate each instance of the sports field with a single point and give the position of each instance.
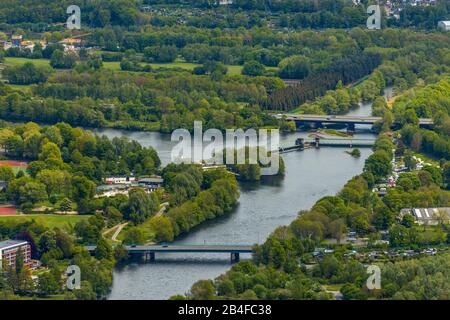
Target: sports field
(15, 165)
(49, 220)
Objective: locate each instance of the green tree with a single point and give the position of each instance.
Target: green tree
(47, 285)
(103, 249)
(351, 292)
(65, 205)
(134, 235)
(295, 67)
(379, 164)
(6, 173)
(202, 290)
(120, 253)
(253, 68)
(408, 220)
(140, 205)
(163, 228)
(63, 60)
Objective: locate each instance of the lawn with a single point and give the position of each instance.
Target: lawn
(20, 61)
(115, 66)
(50, 220)
(333, 287)
(19, 87)
(145, 227)
(234, 70)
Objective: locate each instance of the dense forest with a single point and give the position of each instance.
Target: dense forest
(65, 166)
(44, 15)
(94, 95)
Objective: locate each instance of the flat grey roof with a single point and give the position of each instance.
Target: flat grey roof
(156, 180)
(426, 213)
(8, 243)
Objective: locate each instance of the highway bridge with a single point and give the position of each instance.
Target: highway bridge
(350, 121)
(149, 251)
(301, 143)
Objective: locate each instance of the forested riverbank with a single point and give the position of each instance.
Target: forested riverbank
(288, 251)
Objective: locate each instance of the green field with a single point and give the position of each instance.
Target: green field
(22, 88)
(20, 61)
(115, 66)
(17, 169)
(234, 70)
(50, 220)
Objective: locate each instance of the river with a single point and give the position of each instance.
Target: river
(263, 206)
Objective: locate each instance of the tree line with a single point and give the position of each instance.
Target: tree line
(345, 70)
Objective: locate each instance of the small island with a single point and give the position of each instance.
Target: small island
(355, 153)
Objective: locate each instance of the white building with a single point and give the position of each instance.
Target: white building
(428, 216)
(444, 25)
(225, 2)
(120, 180)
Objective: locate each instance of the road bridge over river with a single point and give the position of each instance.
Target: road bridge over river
(149, 250)
(350, 121)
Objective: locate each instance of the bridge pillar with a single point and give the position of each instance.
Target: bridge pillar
(149, 256)
(300, 142)
(350, 126)
(317, 142)
(234, 257)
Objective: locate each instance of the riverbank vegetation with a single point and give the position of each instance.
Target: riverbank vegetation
(278, 271)
(196, 196)
(64, 165)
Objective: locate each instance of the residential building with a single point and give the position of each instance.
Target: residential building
(5, 45)
(151, 183)
(428, 216)
(225, 2)
(71, 44)
(120, 180)
(8, 252)
(27, 45)
(16, 40)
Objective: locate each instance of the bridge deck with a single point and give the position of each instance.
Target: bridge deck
(186, 248)
(338, 118)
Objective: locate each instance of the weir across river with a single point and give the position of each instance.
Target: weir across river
(301, 143)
